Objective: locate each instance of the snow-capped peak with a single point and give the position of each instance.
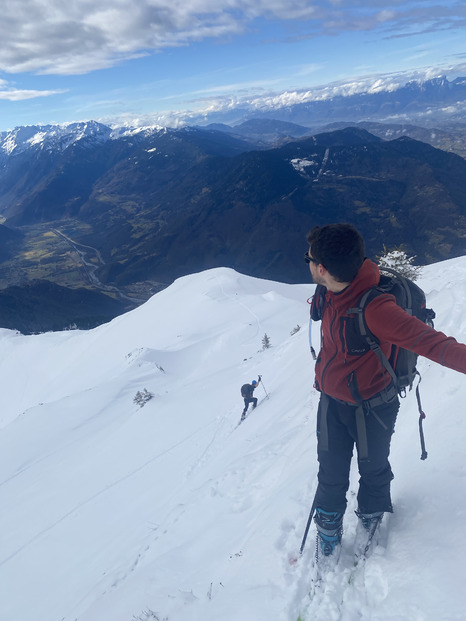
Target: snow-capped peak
(53, 137)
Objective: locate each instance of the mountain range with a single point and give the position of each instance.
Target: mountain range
(120, 213)
(423, 102)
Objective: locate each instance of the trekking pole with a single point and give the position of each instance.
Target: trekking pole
(308, 526)
(262, 384)
(421, 419)
(421, 434)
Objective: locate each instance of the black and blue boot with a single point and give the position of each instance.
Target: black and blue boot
(329, 531)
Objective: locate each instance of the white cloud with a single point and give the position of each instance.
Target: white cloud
(57, 37)
(370, 84)
(201, 109)
(8, 93)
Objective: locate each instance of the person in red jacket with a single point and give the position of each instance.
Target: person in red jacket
(336, 259)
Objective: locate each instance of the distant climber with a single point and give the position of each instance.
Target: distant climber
(247, 391)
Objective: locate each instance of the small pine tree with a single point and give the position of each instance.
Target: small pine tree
(266, 342)
(142, 397)
(398, 260)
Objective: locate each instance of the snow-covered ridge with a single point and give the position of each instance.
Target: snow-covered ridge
(146, 130)
(119, 510)
(60, 137)
(52, 137)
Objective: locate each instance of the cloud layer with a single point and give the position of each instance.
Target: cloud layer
(209, 109)
(66, 38)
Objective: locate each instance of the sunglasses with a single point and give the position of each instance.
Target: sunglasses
(309, 259)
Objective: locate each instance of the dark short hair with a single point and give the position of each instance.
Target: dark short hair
(339, 248)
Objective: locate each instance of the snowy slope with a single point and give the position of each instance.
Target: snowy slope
(113, 512)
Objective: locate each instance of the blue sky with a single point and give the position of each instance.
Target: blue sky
(160, 61)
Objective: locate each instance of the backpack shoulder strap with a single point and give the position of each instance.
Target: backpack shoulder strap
(371, 340)
(316, 312)
(317, 304)
(359, 311)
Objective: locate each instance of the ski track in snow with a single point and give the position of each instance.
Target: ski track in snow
(172, 511)
(106, 489)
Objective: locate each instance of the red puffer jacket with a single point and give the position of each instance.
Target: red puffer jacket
(390, 324)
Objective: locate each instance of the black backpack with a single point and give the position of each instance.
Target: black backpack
(401, 364)
(246, 391)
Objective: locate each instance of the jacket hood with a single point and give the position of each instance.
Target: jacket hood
(368, 276)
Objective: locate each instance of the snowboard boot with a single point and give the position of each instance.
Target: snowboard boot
(329, 531)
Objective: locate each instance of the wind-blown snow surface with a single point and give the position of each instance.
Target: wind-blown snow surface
(113, 512)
